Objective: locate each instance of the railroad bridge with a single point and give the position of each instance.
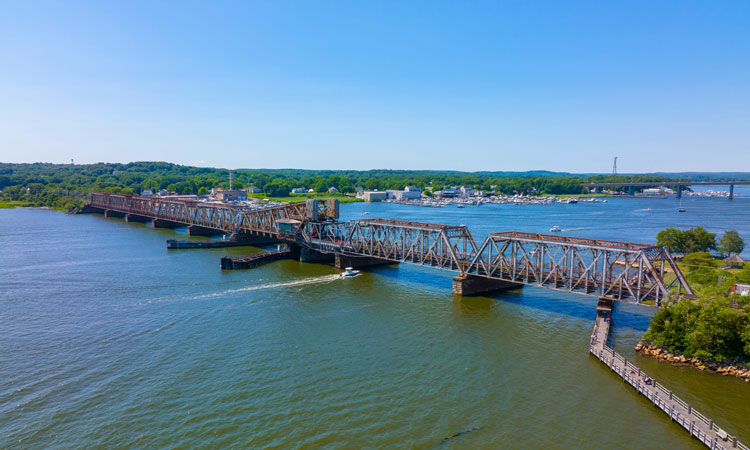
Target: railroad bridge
(636, 273)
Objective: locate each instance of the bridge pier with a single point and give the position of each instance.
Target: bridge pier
(136, 218)
(309, 255)
(159, 223)
(472, 284)
(631, 190)
(344, 261)
(731, 191)
(195, 230)
(679, 191)
(110, 213)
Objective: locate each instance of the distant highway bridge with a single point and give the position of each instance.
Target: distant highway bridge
(637, 273)
(678, 184)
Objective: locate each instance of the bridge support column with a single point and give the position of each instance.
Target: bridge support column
(109, 213)
(309, 255)
(136, 218)
(195, 230)
(472, 284)
(631, 190)
(88, 209)
(731, 191)
(158, 223)
(344, 261)
(679, 191)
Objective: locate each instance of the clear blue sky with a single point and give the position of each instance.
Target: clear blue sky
(515, 85)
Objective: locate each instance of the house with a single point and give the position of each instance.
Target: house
(299, 190)
(147, 193)
(333, 190)
(741, 289)
(253, 190)
(311, 191)
(466, 191)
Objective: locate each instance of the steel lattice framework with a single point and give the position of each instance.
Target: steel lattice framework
(607, 269)
(623, 271)
(215, 216)
(443, 246)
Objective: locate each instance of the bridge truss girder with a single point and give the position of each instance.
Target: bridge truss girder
(606, 269)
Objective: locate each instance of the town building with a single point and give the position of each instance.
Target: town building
(299, 190)
(253, 190)
(332, 190)
(231, 195)
(375, 196)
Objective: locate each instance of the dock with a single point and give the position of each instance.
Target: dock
(698, 425)
(174, 244)
(256, 259)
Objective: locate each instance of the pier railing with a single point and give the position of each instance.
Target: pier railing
(698, 425)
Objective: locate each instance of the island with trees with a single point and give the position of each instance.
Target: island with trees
(711, 331)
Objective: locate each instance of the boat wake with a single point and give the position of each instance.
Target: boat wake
(574, 229)
(281, 284)
(239, 291)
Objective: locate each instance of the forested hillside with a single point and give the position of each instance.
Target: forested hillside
(64, 185)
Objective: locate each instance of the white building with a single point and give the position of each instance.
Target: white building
(332, 190)
(299, 191)
(375, 196)
(253, 190)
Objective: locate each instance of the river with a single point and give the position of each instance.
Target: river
(108, 340)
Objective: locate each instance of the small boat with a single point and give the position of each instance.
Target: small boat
(365, 213)
(555, 229)
(459, 206)
(349, 272)
(681, 209)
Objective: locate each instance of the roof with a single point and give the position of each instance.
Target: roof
(734, 259)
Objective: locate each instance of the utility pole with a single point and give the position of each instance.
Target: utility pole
(614, 168)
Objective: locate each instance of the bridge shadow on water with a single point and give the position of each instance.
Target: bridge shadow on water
(563, 303)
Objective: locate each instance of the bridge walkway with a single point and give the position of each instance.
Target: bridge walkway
(698, 425)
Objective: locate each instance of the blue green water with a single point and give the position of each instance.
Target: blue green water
(108, 340)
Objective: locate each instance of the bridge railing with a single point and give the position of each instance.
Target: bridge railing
(633, 376)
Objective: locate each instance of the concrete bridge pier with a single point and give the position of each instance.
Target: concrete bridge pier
(195, 230)
(309, 255)
(136, 218)
(159, 223)
(631, 190)
(731, 191)
(109, 213)
(344, 261)
(472, 285)
(679, 191)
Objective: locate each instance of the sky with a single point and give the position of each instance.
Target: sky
(506, 85)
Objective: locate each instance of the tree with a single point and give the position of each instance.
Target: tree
(203, 191)
(689, 241)
(731, 242)
(672, 238)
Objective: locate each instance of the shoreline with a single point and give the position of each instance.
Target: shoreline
(731, 370)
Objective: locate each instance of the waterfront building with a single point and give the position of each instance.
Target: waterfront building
(375, 196)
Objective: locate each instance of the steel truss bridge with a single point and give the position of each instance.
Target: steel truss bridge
(636, 273)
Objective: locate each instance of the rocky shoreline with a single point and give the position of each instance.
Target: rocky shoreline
(663, 355)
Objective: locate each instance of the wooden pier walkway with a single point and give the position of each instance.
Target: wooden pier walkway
(698, 425)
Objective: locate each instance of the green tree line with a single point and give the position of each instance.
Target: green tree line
(46, 184)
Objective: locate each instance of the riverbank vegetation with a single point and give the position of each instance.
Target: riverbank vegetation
(66, 185)
(712, 330)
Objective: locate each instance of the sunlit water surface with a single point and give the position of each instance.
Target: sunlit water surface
(109, 340)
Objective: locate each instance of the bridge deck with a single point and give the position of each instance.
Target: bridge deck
(698, 425)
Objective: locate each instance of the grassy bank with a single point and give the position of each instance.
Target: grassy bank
(6, 204)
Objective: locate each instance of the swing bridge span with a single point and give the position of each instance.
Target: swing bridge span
(623, 271)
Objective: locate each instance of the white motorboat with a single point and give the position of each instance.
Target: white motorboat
(555, 229)
(349, 272)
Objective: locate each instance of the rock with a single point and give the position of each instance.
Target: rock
(639, 346)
